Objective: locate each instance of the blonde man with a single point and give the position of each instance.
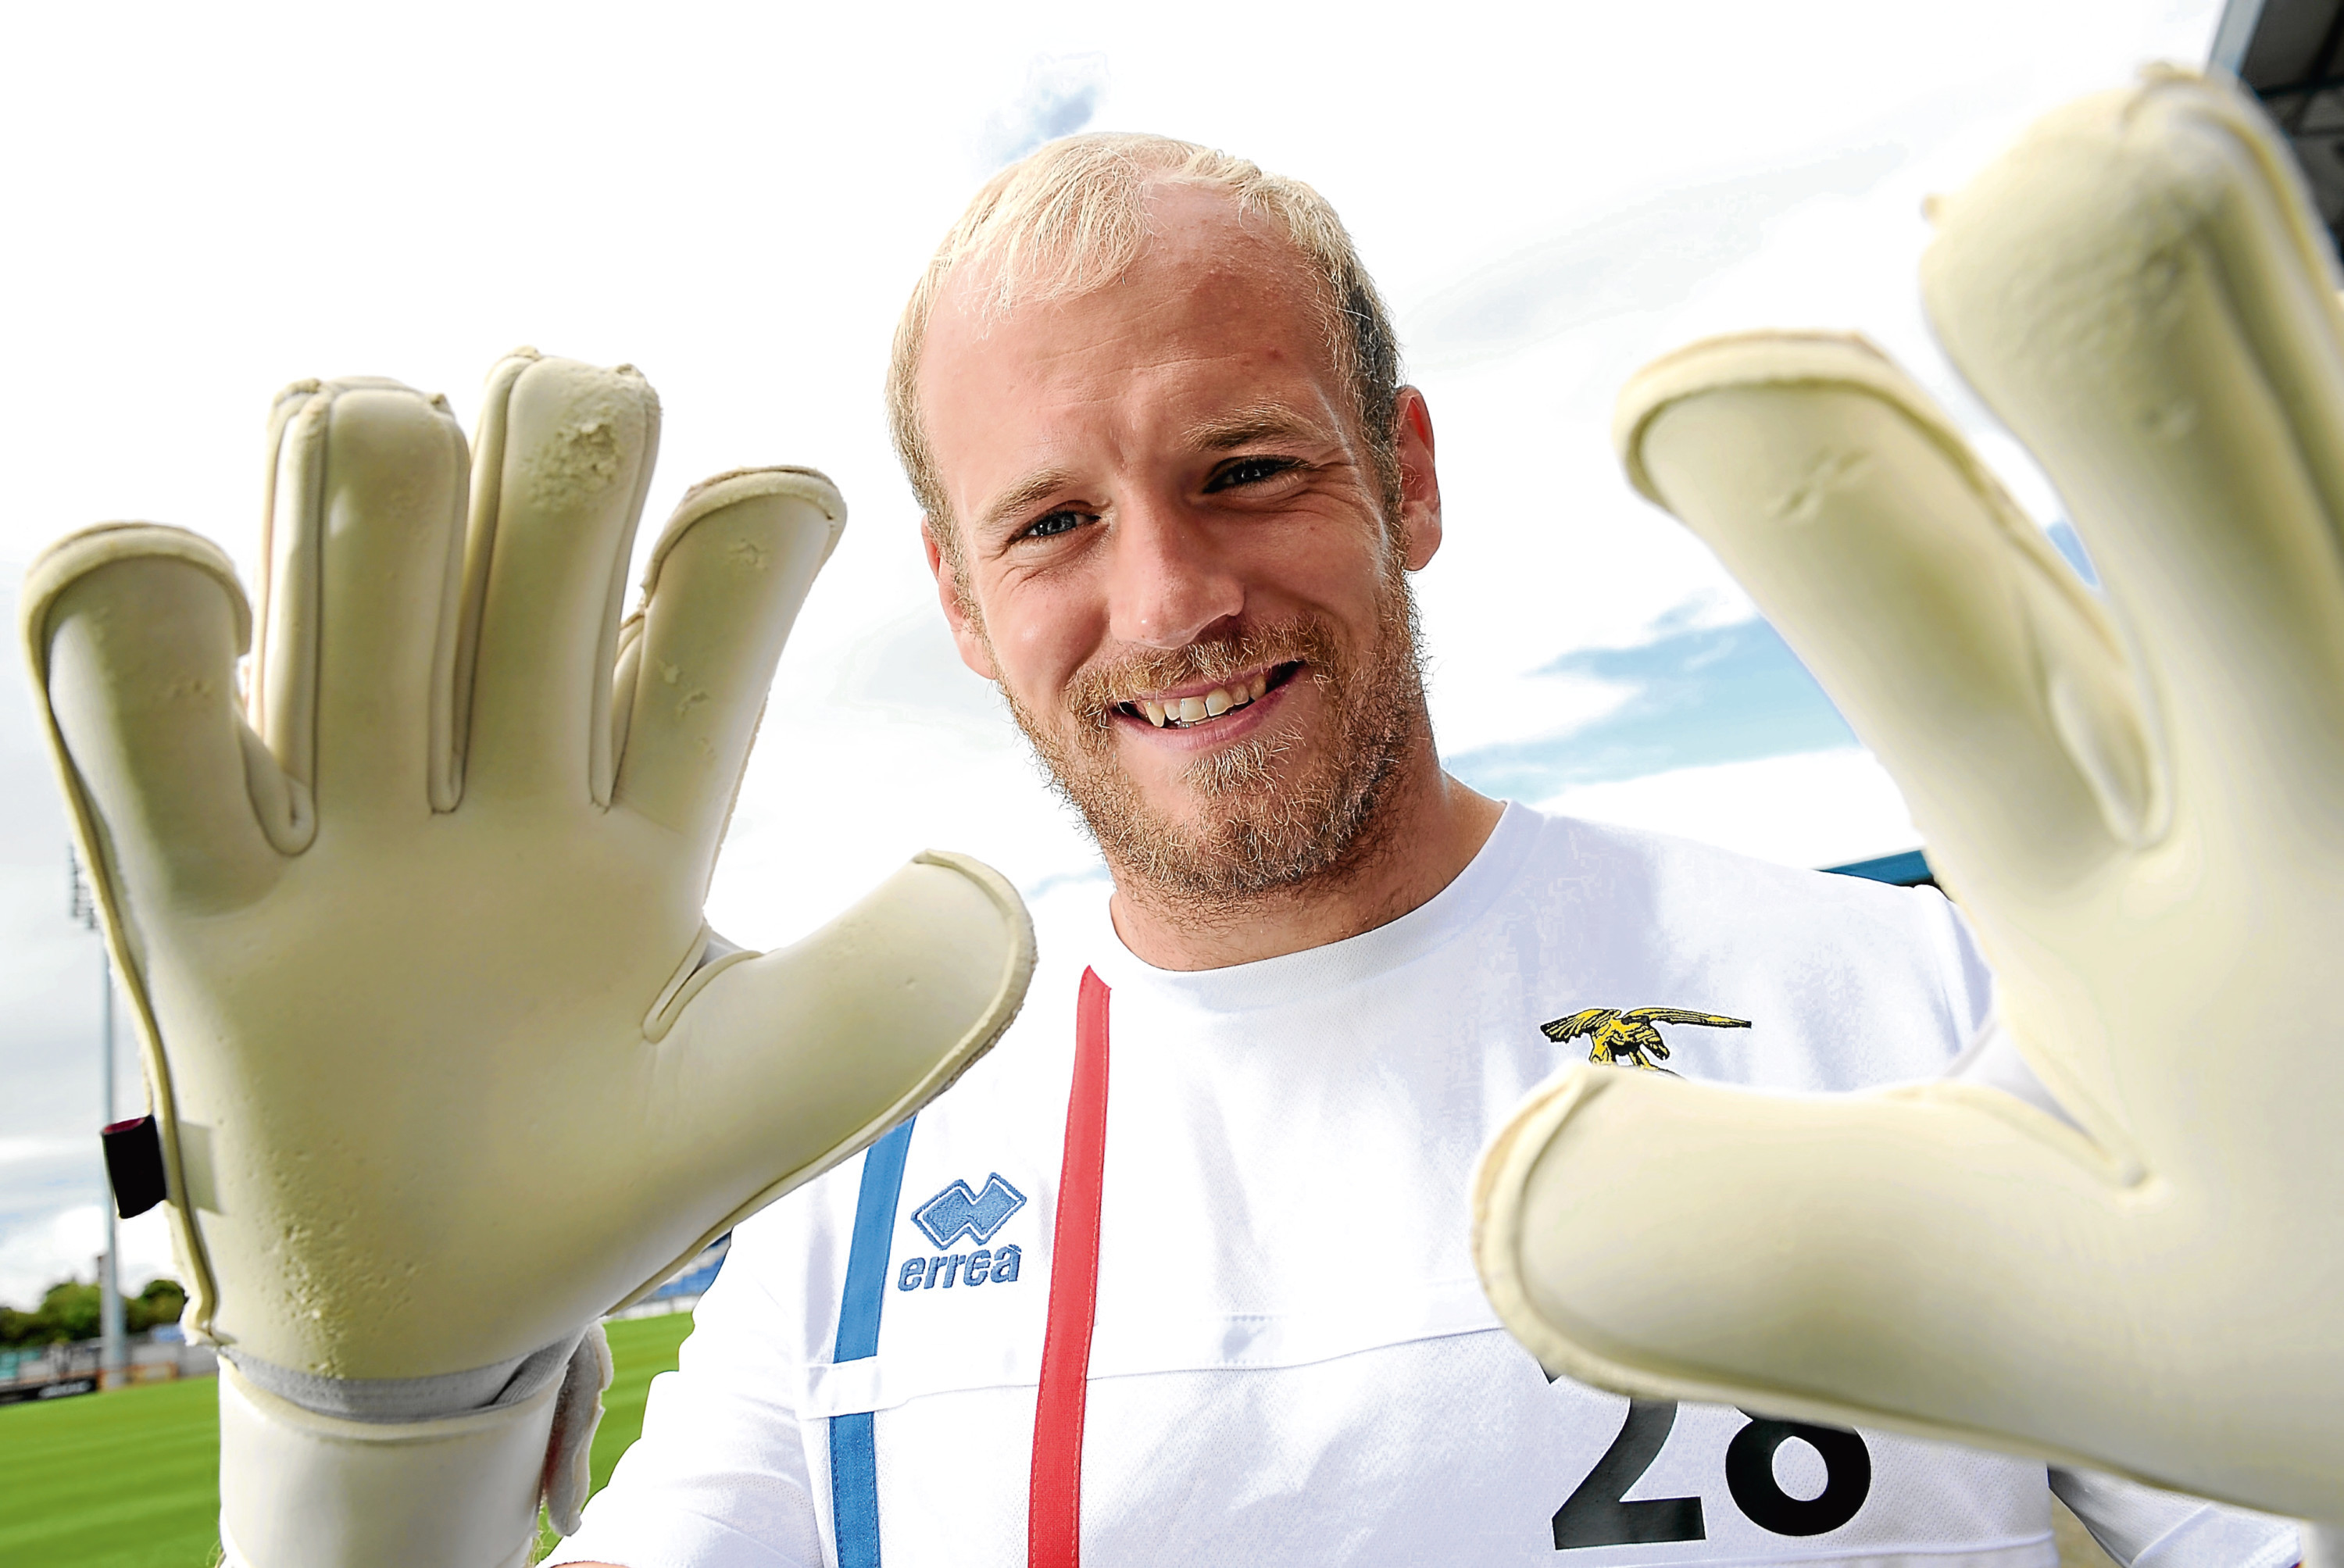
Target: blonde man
(1180, 1271)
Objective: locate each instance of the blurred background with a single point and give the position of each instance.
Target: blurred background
(205, 203)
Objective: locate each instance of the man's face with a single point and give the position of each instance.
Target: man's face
(1178, 561)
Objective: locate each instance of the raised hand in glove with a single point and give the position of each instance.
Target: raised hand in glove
(2136, 801)
(444, 1060)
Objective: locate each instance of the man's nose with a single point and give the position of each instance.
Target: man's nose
(1170, 581)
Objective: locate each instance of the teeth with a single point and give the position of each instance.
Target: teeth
(1197, 710)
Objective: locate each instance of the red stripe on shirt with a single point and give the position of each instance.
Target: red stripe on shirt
(1054, 1516)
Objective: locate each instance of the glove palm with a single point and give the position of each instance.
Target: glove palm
(2135, 800)
(444, 1060)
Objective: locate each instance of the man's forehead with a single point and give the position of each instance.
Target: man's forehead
(1197, 243)
(1213, 338)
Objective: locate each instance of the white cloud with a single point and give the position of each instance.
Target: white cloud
(14, 1150)
(1060, 95)
(65, 1246)
(1814, 809)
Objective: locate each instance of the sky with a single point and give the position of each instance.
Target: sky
(205, 203)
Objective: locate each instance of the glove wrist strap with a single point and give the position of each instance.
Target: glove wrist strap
(299, 1489)
(403, 1399)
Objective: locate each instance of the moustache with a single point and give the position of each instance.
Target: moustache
(1095, 692)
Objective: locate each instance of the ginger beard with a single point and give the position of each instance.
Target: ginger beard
(1269, 812)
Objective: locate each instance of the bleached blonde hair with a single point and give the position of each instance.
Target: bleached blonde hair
(1071, 217)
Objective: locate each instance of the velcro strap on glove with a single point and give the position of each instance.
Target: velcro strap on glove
(386, 1400)
(328, 1469)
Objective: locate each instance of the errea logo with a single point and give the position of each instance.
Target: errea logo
(956, 1211)
(960, 1210)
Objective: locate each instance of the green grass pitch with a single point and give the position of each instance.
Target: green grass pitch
(130, 1479)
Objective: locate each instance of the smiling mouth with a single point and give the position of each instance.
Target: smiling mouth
(1192, 712)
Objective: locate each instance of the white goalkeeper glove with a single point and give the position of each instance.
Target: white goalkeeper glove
(2136, 800)
(445, 1062)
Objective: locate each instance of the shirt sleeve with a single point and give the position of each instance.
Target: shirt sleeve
(1990, 1057)
(1969, 984)
(2145, 1528)
(718, 1478)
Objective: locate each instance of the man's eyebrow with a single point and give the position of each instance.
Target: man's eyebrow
(1027, 492)
(1261, 422)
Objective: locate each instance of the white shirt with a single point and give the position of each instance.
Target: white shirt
(1293, 1361)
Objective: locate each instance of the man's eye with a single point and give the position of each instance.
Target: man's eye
(1248, 470)
(1052, 525)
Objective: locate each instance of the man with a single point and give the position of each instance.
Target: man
(1180, 1272)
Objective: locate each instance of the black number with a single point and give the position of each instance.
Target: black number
(1595, 1514)
(1750, 1476)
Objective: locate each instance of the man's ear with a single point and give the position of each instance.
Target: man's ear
(1419, 485)
(960, 614)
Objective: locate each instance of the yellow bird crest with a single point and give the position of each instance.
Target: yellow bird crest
(1617, 1038)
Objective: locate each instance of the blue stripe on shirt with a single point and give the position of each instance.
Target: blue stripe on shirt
(853, 1452)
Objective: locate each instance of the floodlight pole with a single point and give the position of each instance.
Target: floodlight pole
(110, 1354)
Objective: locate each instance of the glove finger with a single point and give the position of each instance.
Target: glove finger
(563, 458)
(354, 679)
(722, 591)
(2179, 372)
(1959, 647)
(1862, 1259)
(133, 633)
(772, 1069)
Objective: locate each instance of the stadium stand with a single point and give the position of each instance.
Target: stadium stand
(2287, 51)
